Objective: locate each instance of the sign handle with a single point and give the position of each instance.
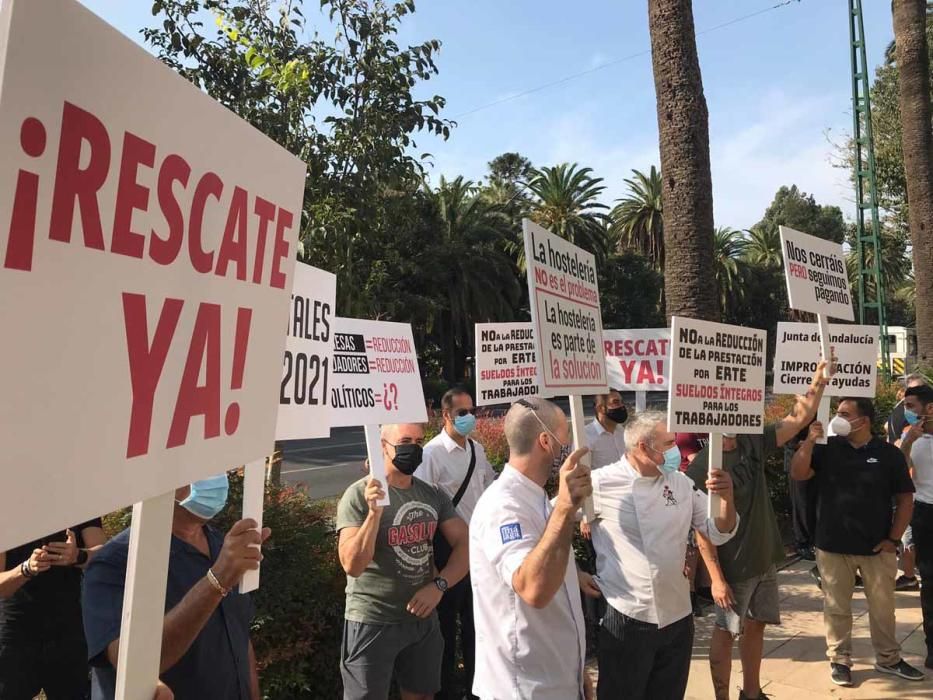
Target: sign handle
(254, 483)
(822, 414)
(641, 401)
(140, 652)
(579, 439)
(715, 462)
(377, 467)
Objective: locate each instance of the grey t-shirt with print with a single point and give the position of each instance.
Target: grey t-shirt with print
(404, 558)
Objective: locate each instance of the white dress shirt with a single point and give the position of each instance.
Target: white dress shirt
(921, 456)
(605, 447)
(445, 465)
(640, 537)
(522, 653)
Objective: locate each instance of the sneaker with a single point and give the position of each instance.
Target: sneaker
(841, 675)
(806, 553)
(761, 696)
(907, 583)
(902, 669)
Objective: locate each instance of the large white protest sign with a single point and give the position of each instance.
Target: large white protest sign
(638, 360)
(375, 376)
(798, 353)
(148, 238)
(304, 394)
(816, 276)
(717, 382)
(564, 294)
(506, 368)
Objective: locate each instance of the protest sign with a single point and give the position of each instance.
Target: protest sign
(717, 382)
(798, 353)
(148, 238)
(564, 294)
(506, 368)
(816, 276)
(304, 394)
(638, 360)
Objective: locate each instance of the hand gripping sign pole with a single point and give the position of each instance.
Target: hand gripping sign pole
(822, 413)
(579, 438)
(254, 488)
(377, 467)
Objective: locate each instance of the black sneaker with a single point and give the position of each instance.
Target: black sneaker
(902, 669)
(906, 583)
(806, 553)
(841, 675)
(761, 696)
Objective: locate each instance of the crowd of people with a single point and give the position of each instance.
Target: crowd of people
(464, 564)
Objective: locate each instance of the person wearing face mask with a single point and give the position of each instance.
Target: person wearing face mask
(857, 477)
(917, 446)
(457, 465)
(391, 626)
(644, 509)
(206, 649)
(743, 571)
(530, 633)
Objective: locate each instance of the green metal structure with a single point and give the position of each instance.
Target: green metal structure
(868, 224)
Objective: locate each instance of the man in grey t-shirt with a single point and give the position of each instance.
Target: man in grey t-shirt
(393, 586)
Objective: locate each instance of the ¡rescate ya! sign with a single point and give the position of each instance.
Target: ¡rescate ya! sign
(638, 360)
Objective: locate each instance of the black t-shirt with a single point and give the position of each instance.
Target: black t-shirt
(49, 603)
(855, 492)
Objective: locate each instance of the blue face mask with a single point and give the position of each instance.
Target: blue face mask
(671, 462)
(911, 417)
(465, 424)
(208, 497)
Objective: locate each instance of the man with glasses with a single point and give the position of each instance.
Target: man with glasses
(458, 467)
(530, 635)
(393, 586)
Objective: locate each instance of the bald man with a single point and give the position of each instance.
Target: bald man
(393, 586)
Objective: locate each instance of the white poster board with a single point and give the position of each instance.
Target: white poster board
(304, 393)
(506, 367)
(816, 275)
(638, 360)
(563, 291)
(148, 238)
(798, 353)
(717, 382)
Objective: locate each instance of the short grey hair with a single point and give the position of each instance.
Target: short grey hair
(918, 378)
(522, 427)
(639, 428)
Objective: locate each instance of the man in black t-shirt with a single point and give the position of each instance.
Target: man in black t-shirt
(858, 480)
(41, 635)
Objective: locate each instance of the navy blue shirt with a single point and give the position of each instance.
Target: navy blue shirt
(215, 667)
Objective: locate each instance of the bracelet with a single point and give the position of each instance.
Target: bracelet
(216, 584)
(25, 570)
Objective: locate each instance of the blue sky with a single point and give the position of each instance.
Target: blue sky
(777, 86)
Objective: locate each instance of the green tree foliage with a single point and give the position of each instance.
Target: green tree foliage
(730, 267)
(637, 219)
(629, 289)
(799, 211)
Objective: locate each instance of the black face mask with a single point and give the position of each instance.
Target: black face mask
(407, 458)
(617, 415)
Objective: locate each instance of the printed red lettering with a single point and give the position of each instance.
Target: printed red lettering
(130, 196)
(209, 185)
(164, 251)
(233, 245)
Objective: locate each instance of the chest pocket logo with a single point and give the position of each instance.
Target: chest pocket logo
(872, 460)
(669, 497)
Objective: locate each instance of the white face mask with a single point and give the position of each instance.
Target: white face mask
(840, 426)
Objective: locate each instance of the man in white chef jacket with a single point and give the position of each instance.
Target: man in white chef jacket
(644, 509)
(530, 634)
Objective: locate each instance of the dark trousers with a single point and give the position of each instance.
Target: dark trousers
(456, 603)
(923, 545)
(802, 511)
(638, 661)
(55, 662)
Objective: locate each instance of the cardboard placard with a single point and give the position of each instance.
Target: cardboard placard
(816, 275)
(638, 359)
(564, 295)
(375, 377)
(304, 393)
(148, 238)
(798, 353)
(717, 382)
(506, 367)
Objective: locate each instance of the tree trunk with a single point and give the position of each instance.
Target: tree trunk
(687, 187)
(917, 139)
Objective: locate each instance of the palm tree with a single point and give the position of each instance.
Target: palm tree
(729, 257)
(687, 186)
(475, 277)
(567, 206)
(913, 66)
(637, 220)
(763, 247)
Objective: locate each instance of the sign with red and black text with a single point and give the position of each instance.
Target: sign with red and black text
(638, 360)
(816, 275)
(717, 382)
(563, 291)
(506, 367)
(147, 246)
(374, 374)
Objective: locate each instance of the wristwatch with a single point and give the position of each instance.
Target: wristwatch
(82, 558)
(441, 584)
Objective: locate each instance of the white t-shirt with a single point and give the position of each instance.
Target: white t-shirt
(921, 455)
(605, 447)
(640, 537)
(445, 465)
(522, 653)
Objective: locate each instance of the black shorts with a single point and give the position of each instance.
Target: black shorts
(55, 663)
